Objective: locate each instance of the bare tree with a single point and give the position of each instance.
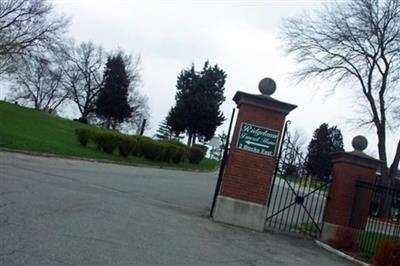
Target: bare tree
(141, 111)
(83, 74)
(25, 26)
(293, 153)
(355, 44)
(37, 82)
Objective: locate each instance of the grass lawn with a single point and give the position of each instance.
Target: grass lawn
(31, 130)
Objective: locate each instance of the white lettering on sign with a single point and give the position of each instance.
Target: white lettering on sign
(257, 139)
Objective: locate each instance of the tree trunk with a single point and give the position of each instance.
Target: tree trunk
(194, 139)
(386, 200)
(85, 113)
(107, 123)
(395, 164)
(113, 124)
(189, 139)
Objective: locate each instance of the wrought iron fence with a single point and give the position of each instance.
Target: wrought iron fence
(297, 200)
(369, 218)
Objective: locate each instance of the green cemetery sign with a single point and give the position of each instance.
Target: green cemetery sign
(257, 139)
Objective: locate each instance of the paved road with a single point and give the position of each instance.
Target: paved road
(66, 212)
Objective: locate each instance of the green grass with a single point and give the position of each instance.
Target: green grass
(31, 130)
(310, 227)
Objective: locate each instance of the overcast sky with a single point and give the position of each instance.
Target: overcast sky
(242, 37)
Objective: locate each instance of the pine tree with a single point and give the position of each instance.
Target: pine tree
(112, 103)
(198, 99)
(325, 141)
(165, 131)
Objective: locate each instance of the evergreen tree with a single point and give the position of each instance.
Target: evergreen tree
(175, 121)
(198, 99)
(112, 103)
(324, 141)
(165, 131)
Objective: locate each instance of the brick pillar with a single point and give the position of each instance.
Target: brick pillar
(253, 151)
(342, 210)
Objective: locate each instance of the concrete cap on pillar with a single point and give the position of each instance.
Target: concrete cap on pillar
(359, 143)
(267, 87)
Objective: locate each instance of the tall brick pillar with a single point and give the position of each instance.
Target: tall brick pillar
(249, 169)
(341, 209)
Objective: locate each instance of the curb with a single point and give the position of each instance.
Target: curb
(340, 254)
(93, 160)
(61, 156)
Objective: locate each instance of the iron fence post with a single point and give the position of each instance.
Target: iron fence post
(222, 166)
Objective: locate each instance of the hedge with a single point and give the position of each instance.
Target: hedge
(203, 147)
(106, 141)
(168, 151)
(196, 154)
(179, 155)
(83, 135)
(136, 151)
(161, 150)
(174, 142)
(151, 149)
(126, 145)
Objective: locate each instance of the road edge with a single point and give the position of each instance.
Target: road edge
(76, 158)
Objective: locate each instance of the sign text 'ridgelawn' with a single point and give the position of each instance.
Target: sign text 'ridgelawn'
(257, 139)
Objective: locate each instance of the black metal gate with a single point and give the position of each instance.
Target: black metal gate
(297, 200)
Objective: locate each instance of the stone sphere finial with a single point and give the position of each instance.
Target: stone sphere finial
(267, 86)
(359, 143)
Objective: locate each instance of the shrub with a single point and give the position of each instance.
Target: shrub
(173, 142)
(83, 120)
(168, 152)
(179, 155)
(136, 151)
(388, 253)
(195, 155)
(126, 145)
(83, 135)
(96, 139)
(106, 141)
(345, 239)
(203, 147)
(95, 136)
(150, 149)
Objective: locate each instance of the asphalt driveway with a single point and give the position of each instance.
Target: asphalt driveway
(66, 212)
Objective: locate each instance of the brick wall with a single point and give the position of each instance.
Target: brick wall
(339, 206)
(248, 175)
